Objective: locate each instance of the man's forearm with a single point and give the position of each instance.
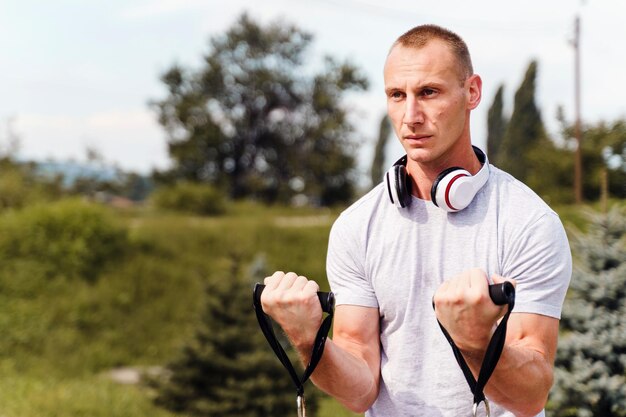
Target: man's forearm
(521, 381)
(348, 378)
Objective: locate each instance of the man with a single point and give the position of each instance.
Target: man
(386, 265)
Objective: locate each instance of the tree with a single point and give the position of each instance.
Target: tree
(550, 172)
(135, 187)
(590, 374)
(229, 370)
(378, 162)
(603, 155)
(525, 129)
(496, 126)
(603, 150)
(256, 122)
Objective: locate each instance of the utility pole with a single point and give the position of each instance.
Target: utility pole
(578, 168)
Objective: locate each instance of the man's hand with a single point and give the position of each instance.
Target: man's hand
(465, 310)
(291, 300)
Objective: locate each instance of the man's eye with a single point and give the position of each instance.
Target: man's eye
(428, 92)
(396, 95)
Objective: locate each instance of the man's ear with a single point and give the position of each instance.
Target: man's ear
(475, 90)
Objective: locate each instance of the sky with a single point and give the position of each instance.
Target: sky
(78, 75)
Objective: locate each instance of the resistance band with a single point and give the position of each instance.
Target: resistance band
(327, 301)
(500, 294)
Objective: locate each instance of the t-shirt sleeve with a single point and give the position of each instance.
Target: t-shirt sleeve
(540, 261)
(345, 266)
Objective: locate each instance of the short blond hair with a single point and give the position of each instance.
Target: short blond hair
(419, 36)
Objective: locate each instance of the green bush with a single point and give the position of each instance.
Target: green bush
(590, 373)
(68, 238)
(190, 197)
(20, 187)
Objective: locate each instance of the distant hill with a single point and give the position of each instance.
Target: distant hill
(71, 171)
(116, 183)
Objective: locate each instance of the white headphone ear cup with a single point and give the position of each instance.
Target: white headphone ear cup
(461, 193)
(452, 189)
(455, 188)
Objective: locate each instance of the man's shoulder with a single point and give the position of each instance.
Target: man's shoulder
(519, 211)
(516, 196)
(368, 213)
(367, 205)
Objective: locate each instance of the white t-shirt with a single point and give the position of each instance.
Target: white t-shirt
(394, 259)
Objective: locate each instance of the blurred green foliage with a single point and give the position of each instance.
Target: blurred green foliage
(224, 370)
(590, 375)
(69, 238)
(521, 146)
(23, 395)
(20, 185)
(378, 167)
(523, 131)
(68, 317)
(256, 122)
(196, 198)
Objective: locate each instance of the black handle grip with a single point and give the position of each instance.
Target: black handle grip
(502, 294)
(327, 299)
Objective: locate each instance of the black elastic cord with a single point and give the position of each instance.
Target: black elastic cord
(494, 348)
(327, 302)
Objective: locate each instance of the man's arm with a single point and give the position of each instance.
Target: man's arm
(522, 379)
(349, 369)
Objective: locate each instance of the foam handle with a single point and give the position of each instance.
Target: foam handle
(327, 299)
(502, 294)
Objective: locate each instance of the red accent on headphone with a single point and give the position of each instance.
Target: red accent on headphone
(448, 190)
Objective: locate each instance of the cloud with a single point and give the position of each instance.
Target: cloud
(131, 139)
(160, 7)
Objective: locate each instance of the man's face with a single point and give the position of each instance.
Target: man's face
(428, 102)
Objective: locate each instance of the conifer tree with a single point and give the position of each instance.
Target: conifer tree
(229, 370)
(524, 130)
(496, 126)
(378, 162)
(590, 374)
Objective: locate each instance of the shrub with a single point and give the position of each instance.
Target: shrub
(190, 197)
(69, 238)
(228, 369)
(590, 374)
(20, 187)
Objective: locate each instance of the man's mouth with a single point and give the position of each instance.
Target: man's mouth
(417, 137)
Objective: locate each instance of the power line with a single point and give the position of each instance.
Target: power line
(419, 16)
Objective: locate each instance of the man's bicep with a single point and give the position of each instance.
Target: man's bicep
(534, 331)
(356, 330)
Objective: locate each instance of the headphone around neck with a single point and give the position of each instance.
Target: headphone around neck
(453, 189)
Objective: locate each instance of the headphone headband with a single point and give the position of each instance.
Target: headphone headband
(482, 176)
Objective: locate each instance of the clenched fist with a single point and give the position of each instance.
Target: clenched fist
(291, 301)
(465, 310)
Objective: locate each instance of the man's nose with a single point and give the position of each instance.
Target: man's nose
(413, 113)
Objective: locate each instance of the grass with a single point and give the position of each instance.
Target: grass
(61, 335)
(331, 408)
(92, 396)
